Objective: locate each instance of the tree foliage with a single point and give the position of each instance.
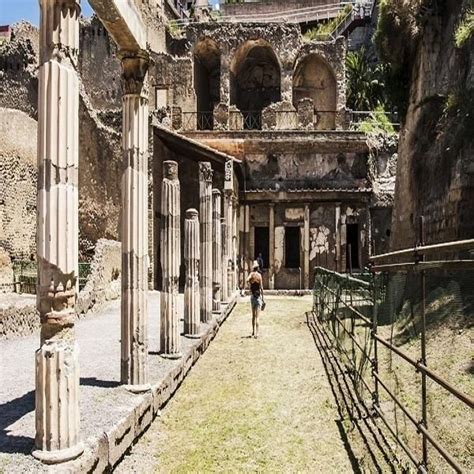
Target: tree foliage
(365, 81)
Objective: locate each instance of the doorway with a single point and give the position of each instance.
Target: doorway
(292, 247)
(262, 241)
(352, 247)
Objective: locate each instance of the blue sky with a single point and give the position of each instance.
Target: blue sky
(12, 11)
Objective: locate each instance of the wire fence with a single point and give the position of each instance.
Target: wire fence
(404, 335)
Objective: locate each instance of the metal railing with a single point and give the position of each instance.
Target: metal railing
(198, 120)
(291, 15)
(363, 318)
(285, 120)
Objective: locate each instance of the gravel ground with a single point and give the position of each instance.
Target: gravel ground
(250, 405)
(103, 402)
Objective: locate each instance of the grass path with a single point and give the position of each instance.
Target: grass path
(250, 405)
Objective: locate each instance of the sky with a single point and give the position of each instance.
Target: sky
(12, 11)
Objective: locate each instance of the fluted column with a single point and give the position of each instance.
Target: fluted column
(170, 248)
(216, 250)
(205, 263)
(134, 225)
(57, 367)
(235, 269)
(192, 320)
(229, 242)
(224, 256)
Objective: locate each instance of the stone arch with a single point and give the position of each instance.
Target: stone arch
(255, 80)
(207, 74)
(314, 78)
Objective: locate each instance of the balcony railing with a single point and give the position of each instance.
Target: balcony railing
(268, 119)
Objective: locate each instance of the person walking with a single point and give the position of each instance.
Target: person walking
(260, 263)
(255, 282)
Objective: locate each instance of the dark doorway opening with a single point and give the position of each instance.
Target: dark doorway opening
(262, 240)
(292, 247)
(352, 248)
(207, 72)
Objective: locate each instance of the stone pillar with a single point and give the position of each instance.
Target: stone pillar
(235, 270)
(170, 257)
(227, 240)
(337, 253)
(205, 263)
(134, 225)
(271, 245)
(306, 247)
(192, 321)
(216, 251)
(57, 367)
(224, 256)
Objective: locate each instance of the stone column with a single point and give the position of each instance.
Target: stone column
(170, 256)
(229, 227)
(216, 250)
(337, 224)
(192, 321)
(224, 257)
(57, 367)
(271, 245)
(134, 226)
(235, 270)
(306, 247)
(227, 240)
(205, 263)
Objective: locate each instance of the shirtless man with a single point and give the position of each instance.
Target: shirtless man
(256, 298)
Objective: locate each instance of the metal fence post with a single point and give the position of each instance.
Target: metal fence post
(375, 361)
(424, 415)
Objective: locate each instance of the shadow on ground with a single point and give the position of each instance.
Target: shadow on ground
(366, 445)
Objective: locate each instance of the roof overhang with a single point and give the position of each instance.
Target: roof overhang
(195, 150)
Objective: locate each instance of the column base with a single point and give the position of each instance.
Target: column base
(193, 336)
(176, 355)
(58, 456)
(146, 387)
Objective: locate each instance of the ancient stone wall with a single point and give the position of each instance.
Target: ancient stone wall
(103, 282)
(435, 173)
(257, 59)
(284, 171)
(18, 62)
(18, 177)
(99, 66)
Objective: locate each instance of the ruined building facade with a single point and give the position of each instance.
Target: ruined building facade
(307, 189)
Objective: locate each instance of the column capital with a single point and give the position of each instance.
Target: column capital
(170, 170)
(205, 171)
(134, 70)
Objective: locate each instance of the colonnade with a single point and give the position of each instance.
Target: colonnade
(57, 417)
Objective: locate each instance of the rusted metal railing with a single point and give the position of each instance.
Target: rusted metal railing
(349, 308)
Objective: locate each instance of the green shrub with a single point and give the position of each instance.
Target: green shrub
(323, 30)
(465, 29)
(377, 122)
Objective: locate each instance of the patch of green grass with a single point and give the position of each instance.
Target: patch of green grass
(255, 405)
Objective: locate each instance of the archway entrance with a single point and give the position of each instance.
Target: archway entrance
(207, 74)
(315, 79)
(255, 81)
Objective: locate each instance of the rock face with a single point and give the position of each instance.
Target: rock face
(435, 172)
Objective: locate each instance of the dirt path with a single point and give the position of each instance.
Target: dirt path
(250, 405)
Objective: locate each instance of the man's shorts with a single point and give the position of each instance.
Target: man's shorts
(256, 302)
